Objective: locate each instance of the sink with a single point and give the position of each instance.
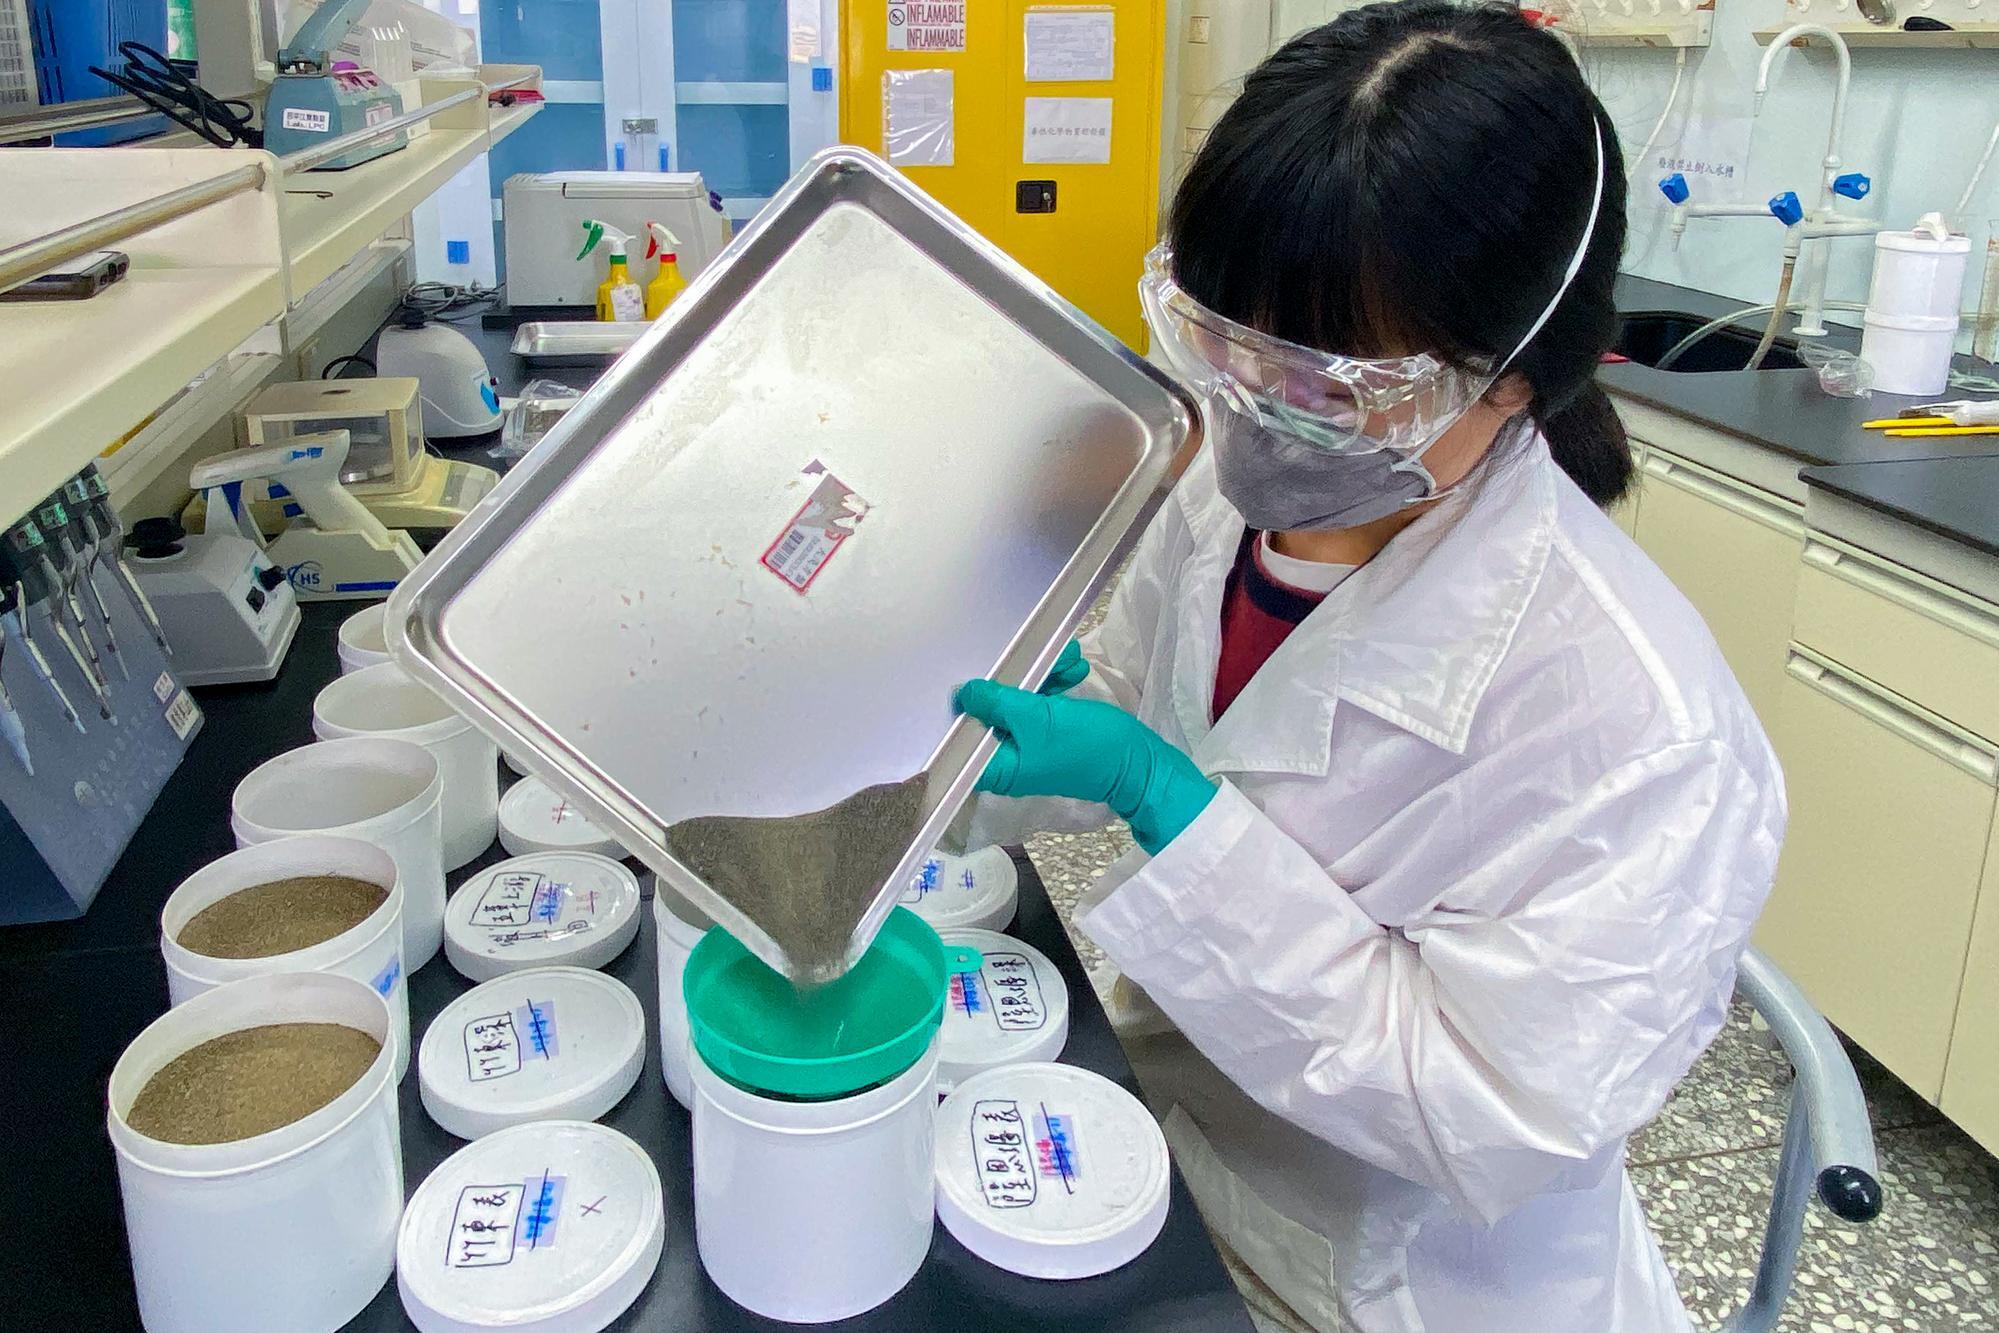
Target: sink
(1645, 338)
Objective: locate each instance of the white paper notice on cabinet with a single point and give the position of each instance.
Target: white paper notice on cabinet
(1067, 129)
(1071, 45)
(917, 117)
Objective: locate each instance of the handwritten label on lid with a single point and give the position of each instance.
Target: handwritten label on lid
(1014, 992)
(495, 1224)
(497, 1045)
(1001, 1154)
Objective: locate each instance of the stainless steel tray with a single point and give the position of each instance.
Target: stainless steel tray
(575, 341)
(639, 613)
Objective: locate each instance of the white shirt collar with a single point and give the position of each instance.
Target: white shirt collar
(1415, 636)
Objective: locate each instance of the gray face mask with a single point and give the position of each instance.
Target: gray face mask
(1279, 483)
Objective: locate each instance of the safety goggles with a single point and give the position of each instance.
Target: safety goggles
(1339, 403)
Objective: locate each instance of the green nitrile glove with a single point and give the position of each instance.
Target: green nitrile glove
(1088, 751)
(1070, 670)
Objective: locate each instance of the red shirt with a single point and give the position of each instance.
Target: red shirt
(1258, 614)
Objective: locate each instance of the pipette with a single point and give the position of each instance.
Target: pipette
(111, 547)
(70, 531)
(14, 622)
(32, 551)
(10, 720)
(23, 561)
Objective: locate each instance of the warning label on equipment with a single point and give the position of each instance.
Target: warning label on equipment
(926, 25)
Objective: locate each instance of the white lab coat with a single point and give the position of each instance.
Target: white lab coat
(1493, 826)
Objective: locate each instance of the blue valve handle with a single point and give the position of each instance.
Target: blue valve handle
(1852, 185)
(1786, 208)
(1675, 188)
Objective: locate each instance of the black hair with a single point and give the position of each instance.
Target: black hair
(1416, 176)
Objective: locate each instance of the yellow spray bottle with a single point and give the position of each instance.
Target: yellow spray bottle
(668, 284)
(618, 297)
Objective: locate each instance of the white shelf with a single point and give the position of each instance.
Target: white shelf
(77, 377)
(322, 234)
(1962, 37)
(80, 375)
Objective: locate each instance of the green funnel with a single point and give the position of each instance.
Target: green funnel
(755, 1029)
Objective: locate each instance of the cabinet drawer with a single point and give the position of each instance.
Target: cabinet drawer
(1971, 1076)
(1917, 637)
(1891, 810)
(1732, 551)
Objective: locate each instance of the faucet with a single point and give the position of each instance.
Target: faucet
(1822, 222)
(1825, 221)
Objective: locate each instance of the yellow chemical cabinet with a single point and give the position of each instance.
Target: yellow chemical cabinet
(973, 99)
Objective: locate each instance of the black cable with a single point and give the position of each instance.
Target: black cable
(165, 86)
(340, 361)
(448, 304)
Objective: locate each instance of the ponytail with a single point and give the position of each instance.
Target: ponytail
(1588, 442)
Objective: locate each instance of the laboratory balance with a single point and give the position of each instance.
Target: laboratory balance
(390, 469)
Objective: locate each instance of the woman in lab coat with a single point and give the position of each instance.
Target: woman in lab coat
(1451, 820)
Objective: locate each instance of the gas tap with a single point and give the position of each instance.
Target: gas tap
(70, 531)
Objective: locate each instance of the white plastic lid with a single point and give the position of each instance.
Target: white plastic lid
(979, 890)
(574, 908)
(533, 818)
(554, 1227)
(1013, 1010)
(548, 1043)
(1050, 1171)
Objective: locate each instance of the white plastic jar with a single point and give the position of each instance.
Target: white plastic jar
(370, 951)
(375, 788)
(293, 1231)
(814, 1211)
(361, 641)
(384, 701)
(679, 926)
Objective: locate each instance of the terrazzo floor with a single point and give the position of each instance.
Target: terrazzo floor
(1929, 1264)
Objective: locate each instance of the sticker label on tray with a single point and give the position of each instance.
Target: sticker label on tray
(1002, 1154)
(494, 1224)
(378, 113)
(498, 1045)
(1013, 993)
(313, 122)
(163, 688)
(822, 524)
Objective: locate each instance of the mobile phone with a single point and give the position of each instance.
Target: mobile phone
(77, 280)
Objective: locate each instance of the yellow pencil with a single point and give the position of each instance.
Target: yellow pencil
(1896, 423)
(1929, 432)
